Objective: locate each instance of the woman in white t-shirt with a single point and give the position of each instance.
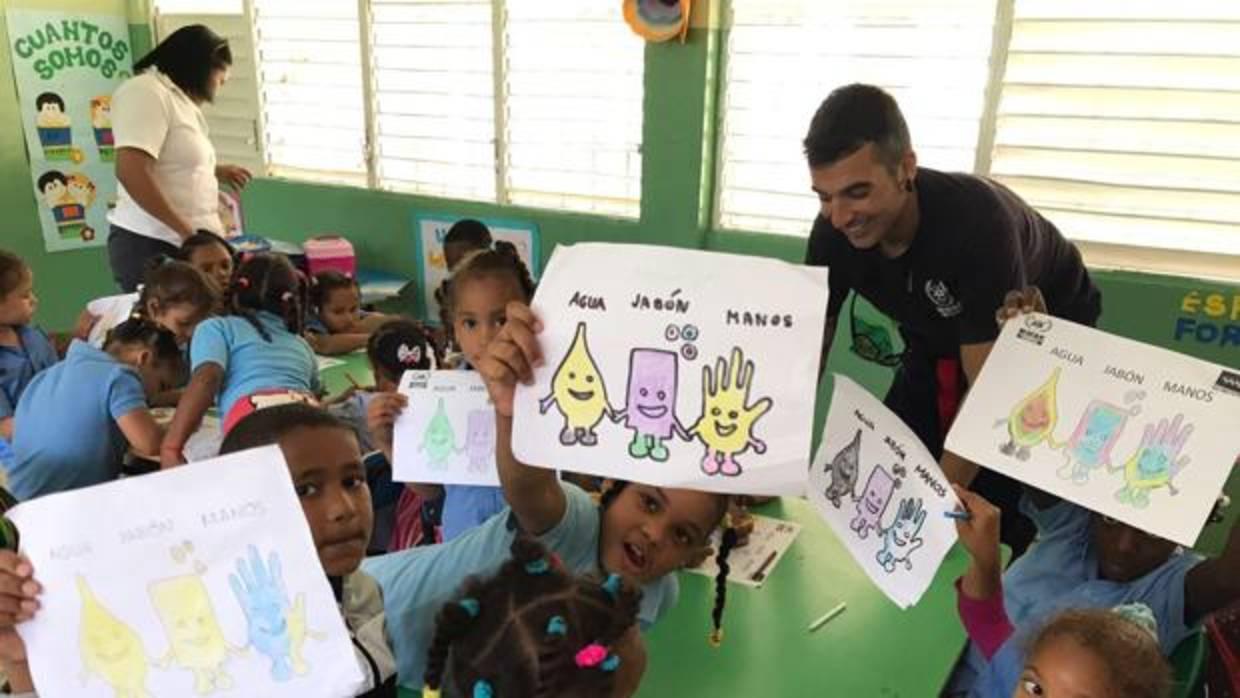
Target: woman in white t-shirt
(165, 165)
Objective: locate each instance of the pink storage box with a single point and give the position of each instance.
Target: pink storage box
(330, 253)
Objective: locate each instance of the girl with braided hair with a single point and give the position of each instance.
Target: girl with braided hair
(253, 356)
(639, 532)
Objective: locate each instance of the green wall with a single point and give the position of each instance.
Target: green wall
(677, 191)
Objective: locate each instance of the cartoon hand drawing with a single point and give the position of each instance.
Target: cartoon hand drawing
(480, 440)
(650, 408)
(873, 502)
(195, 640)
(1032, 420)
(111, 650)
(901, 538)
(1156, 462)
(260, 590)
(578, 392)
(843, 470)
(1089, 447)
(439, 441)
(726, 424)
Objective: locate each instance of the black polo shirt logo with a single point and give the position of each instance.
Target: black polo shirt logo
(941, 296)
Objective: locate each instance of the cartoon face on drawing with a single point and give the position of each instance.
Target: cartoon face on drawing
(480, 438)
(578, 392)
(1032, 420)
(439, 441)
(843, 470)
(1090, 445)
(726, 426)
(110, 649)
(1156, 462)
(873, 502)
(196, 641)
(903, 536)
(650, 406)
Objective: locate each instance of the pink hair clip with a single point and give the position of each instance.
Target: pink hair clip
(591, 656)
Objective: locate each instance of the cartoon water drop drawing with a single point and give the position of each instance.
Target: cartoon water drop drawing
(650, 407)
(577, 391)
(1156, 462)
(1089, 447)
(843, 470)
(902, 537)
(1032, 420)
(873, 502)
(195, 640)
(727, 422)
(439, 440)
(110, 649)
(259, 588)
(480, 440)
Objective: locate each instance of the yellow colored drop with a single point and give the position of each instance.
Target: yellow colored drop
(111, 650)
(578, 392)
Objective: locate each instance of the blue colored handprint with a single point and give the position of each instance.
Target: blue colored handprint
(259, 589)
(1156, 462)
(903, 536)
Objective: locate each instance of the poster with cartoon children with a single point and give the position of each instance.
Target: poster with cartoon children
(680, 368)
(882, 493)
(447, 433)
(212, 588)
(1138, 433)
(66, 66)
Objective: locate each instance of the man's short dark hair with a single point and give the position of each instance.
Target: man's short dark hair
(187, 56)
(852, 116)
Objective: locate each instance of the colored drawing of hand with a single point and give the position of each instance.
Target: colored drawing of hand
(259, 589)
(1159, 452)
(725, 392)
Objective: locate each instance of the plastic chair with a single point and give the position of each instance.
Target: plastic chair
(1188, 663)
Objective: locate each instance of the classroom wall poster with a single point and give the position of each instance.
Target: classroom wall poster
(66, 65)
(677, 368)
(211, 587)
(882, 494)
(432, 268)
(1138, 433)
(446, 435)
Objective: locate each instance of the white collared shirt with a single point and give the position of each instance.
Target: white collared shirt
(152, 114)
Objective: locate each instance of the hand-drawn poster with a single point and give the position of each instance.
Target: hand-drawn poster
(211, 587)
(882, 493)
(67, 64)
(447, 433)
(432, 267)
(753, 563)
(1142, 434)
(678, 368)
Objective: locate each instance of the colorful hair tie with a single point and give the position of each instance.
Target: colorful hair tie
(471, 606)
(557, 626)
(539, 566)
(408, 355)
(482, 689)
(612, 585)
(591, 656)
(610, 664)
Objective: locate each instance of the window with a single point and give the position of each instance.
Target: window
(1121, 121)
(310, 72)
(785, 56)
(527, 103)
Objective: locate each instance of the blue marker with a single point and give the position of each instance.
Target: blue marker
(961, 515)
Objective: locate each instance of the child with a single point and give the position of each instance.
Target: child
(1086, 560)
(211, 255)
(472, 303)
(326, 469)
(254, 356)
(465, 236)
(534, 629)
(77, 418)
(173, 295)
(338, 324)
(327, 472)
(24, 350)
(1097, 654)
(642, 533)
(397, 346)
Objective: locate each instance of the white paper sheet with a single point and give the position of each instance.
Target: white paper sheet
(447, 433)
(201, 580)
(328, 362)
(882, 493)
(753, 563)
(1142, 434)
(674, 367)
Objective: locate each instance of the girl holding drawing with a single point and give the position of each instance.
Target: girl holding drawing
(642, 533)
(472, 304)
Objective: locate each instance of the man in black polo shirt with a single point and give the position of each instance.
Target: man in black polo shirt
(937, 253)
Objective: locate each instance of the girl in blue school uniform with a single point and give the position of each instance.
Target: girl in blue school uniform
(255, 356)
(643, 534)
(24, 349)
(472, 304)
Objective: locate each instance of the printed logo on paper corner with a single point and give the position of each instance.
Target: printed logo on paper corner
(1229, 382)
(1034, 328)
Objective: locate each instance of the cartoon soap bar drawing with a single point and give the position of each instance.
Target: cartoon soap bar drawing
(873, 502)
(650, 408)
(1089, 447)
(480, 440)
(111, 650)
(726, 426)
(195, 640)
(577, 391)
